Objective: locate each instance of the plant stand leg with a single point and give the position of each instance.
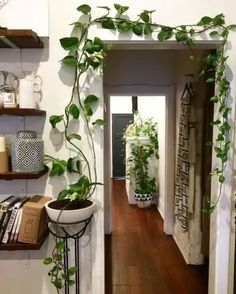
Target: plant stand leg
(77, 284)
(67, 290)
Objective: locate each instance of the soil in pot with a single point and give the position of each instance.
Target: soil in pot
(66, 204)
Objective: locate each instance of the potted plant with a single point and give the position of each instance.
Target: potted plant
(142, 137)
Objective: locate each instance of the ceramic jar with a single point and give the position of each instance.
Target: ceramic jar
(27, 152)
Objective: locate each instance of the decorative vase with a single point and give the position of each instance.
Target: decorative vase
(27, 153)
(143, 200)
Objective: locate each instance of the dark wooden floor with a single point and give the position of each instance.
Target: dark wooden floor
(141, 259)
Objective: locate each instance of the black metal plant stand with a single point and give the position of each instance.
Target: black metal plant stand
(60, 230)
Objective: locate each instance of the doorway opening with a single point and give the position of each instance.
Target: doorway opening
(146, 73)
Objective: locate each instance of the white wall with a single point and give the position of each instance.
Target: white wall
(155, 107)
(18, 268)
(26, 14)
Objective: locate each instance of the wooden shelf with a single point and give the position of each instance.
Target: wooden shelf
(22, 112)
(23, 176)
(24, 246)
(18, 39)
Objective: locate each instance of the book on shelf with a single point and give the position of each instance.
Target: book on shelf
(12, 218)
(2, 210)
(6, 207)
(15, 230)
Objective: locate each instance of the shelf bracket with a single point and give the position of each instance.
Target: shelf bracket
(8, 42)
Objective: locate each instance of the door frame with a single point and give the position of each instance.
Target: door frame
(136, 90)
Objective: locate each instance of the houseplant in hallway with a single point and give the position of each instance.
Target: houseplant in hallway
(142, 139)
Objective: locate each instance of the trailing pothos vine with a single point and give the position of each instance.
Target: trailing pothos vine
(85, 54)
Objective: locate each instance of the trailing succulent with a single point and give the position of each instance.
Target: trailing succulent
(85, 54)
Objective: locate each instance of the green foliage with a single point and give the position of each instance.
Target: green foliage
(137, 163)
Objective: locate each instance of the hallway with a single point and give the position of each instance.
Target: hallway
(141, 259)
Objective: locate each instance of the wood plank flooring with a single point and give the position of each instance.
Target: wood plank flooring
(141, 259)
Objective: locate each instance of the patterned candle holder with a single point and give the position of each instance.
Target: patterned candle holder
(27, 152)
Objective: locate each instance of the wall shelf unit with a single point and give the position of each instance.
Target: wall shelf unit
(18, 39)
(23, 176)
(22, 112)
(24, 246)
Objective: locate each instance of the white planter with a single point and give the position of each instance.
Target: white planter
(143, 200)
(69, 216)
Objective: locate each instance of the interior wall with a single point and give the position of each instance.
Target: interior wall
(25, 14)
(155, 107)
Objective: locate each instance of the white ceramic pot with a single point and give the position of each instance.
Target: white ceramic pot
(69, 216)
(143, 200)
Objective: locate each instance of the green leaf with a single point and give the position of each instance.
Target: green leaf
(62, 195)
(124, 26)
(85, 9)
(70, 164)
(221, 179)
(181, 36)
(69, 43)
(60, 245)
(91, 99)
(165, 34)
(99, 44)
(58, 283)
(210, 80)
(144, 16)
(215, 98)
(70, 283)
(88, 110)
(89, 47)
(209, 143)
(219, 20)
(216, 122)
(58, 167)
(120, 9)
(108, 24)
(214, 33)
(55, 119)
(232, 27)
(99, 122)
(47, 260)
(74, 111)
(72, 270)
(147, 29)
(205, 20)
(137, 29)
(70, 60)
(74, 136)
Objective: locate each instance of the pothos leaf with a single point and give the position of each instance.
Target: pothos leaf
(69, 43)
(108, 24)
(55, 119)
(99, 122)
(74, 136)
(70, 60)
(74, 111)
(85, 9)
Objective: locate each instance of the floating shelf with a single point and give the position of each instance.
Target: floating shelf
(23, 176)
(22, 112)
(24, 246)
(18, 39)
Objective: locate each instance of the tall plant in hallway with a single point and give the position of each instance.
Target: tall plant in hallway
(85, 55)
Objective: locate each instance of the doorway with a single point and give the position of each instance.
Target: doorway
(119, 122)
